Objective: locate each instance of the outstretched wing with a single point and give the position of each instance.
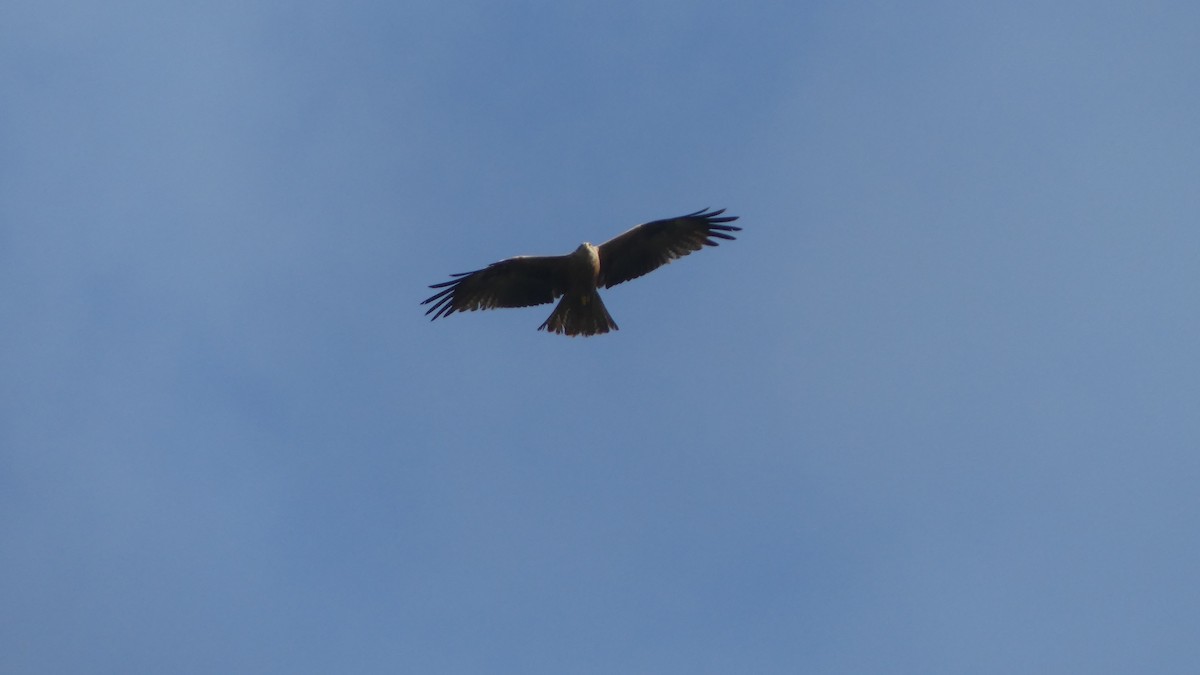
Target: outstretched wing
(649, 246)
(515, 282)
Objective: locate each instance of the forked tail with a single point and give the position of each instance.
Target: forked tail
(579, 314)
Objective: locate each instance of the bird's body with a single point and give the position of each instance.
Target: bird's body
(581, 311)
(578, 276)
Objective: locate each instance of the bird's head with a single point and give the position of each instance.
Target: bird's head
(589, 254)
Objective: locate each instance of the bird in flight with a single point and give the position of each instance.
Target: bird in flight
(577, 277)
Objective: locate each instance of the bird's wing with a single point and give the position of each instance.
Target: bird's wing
(649, 246)
(515, 282)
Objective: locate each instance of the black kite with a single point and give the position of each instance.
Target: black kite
(576, 277)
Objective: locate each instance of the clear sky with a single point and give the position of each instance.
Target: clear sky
(937, 410)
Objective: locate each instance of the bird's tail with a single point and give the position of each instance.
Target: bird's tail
(579, 314)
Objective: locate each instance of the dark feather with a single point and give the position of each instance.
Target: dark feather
(515, 282)
(649, 246)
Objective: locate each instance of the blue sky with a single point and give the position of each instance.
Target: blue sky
(935, 411)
